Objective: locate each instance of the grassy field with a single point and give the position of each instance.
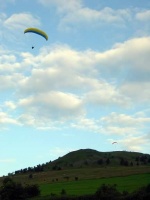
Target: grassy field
(89, 179)
(82, 187)
(82, 174)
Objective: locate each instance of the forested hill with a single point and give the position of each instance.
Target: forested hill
(84, 158)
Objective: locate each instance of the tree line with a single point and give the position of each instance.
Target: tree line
(11, 190)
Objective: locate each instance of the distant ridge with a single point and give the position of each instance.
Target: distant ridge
(88, 158)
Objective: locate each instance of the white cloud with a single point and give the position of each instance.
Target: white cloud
(6, 119)
(138, 91)
(8, 82)
(52, 106)
(61, 82)
(143, 15)
(89, 70)
(107, 95)
(115, 124)
(124, 120)
(10, 105)
(135, 143)
(87, 124)
(125, 124)
(130, 55)
(63, 5)
(21, 21)
(52, 65)
(88, 16)
(119, 131)
(11, 27)
(74, 12)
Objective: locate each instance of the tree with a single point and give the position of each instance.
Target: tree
(63, 192)
(107, 161)
(76, 178)
(11, 190)
(137, 159)
(30, 176)
(107, 192)
(126, 163)
(100, 161)
(121, 161)
(131, 163)
(32, 190)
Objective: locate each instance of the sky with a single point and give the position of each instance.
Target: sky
(87, 86)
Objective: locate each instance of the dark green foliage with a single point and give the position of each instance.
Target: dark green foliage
(38, 168)
(141, 194)
(100, 161)
(76, 178)
(131, 163)
(30, 176)
(63, 192)
(11, 190)
(125, 162)
(55, 167)
(107, 192)
(32, 190)
(107, 161)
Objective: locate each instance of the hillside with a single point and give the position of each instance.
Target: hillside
(92, 158)
(84, 164)
(86, 158)
(83, 171)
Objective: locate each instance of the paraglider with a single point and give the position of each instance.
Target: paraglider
(36, 31)
(114, 142)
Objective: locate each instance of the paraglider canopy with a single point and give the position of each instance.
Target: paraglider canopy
(36, 31)
(114, 143)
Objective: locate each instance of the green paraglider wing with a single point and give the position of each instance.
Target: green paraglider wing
(37, 31)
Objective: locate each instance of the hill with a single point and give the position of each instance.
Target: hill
(84, 170)
(92, 158)
(86, 158)
(84, 164)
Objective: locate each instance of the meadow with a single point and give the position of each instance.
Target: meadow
(89, 186)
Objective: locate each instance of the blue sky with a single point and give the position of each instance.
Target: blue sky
(85, 87)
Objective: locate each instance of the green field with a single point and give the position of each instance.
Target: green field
(82, 187)
(50, 177)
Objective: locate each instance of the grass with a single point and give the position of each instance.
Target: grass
(81, 173)
(82, 187)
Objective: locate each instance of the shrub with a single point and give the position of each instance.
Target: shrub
(107, 192)
(11, 190)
